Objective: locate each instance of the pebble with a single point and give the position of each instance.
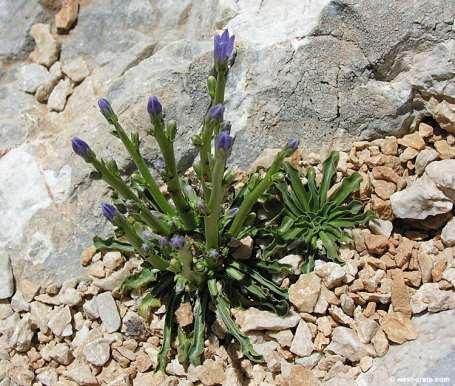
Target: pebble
(77, 70)
(58, 96)
(304, 293)
(47, 48)
(254, 319)
(98, 352)
(302, 344)
(67, 16)
(108, 312)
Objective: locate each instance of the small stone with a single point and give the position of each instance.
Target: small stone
(310, 361)
(381, 227)
(294, 261)
(332, 274)
(48, 377)
(444, 150)
(382, 208)
(6, 277)
(299, 376)
(384, 189)
(114, 281)
(376, 244)
(284, 338)
(386, 173)
(81, 374)
(61, 354)
(143, 363)
(365, 363)
(366, 328)
(425, 130)
(401, 301)
(347, 304)
(108, 312)
(380, 343)
(31, 76)
(67, 16)
(398, 328)
(408, 154)
(448, 234)
(426, 265)
(70, 296)
(430, 296)
(60, 322)
(413, 140)
(39, 314)
(47, 48)
(113, 260)
(242, 248)
(87, 254)
(98, 352)
(77, 70)
(58, 96)
(21, 338)
(18, 302)
(302, 344)
(444, 113)
(184, 314)
(210, 373)
(423, 159)
(304, 293)
(254, 319)
(389, 146)
(346, 343)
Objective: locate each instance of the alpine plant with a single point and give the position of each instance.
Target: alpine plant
(184, 236)
(316, 218)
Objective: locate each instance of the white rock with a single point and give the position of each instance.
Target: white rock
(77, 70)
(254, 319)
(420, 200)
(40, 315)
(430, 296)
(302, 344)
(116, 279)
(47, 48)
(90, 308)
(70, 296)
(381, 227)
(442, 173)
(310, 361)
(49, 377)
(98, 352)
(6, 277)
(449, 275)
(61, 353)
(60, 322)
(31, 76)
(18, 302)
(424, 158)
(332, 274)
(346, 343)
(294, 261)
(108, 312)
(304, 293)
(57, 99)
(113, 260)
(21, 339)
(81, 374)
(366, 328)
(448, 233)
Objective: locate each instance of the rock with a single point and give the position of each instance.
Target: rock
(332, 274)
(6, 277)
(60, 322)
(98, 352)
(77, 70)
(300, 376)
(304, 293)
(67, 16)
(294, 261)
(21, 339)
(210, 373)
(108, 312)
(366, 363)
(426, 265)
(423, 159)
(310, 361)
(113, 260)
(48, 377)
(381, 227)
(57, 98)
(420, 200)
(81, 374)
(284, 338)
(413, 140)
(444, 114)
(90, 308)
(384, 189)
(366, 328)
(398, 328)
(302, 344)
(380, 343)
(442, 173)
(47, 48)
(242, 248)
(400, 294)
(448, 234)
(184, 314)
(347, 304)
(376, 244)
(39, 314)
(346, 343)
(18, 302)
(430, 296)
(408, 154)
(31, 76)
(70, 296)
(61, 354)
(386, 173)
(114, 281)
(254, 319)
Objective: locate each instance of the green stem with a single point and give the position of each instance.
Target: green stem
(216, 196)
(220, 86)
(186, 259)
(252, 198)
(153, 188)
(172, 178)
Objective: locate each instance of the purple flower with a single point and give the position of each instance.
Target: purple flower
(154, 107)
(293, 144)
(163, 241)
(232, 211)
(223, 45)
(177, 242)
(224, 141)
(216, 112)
(80, 147)
(109, 211)
(106, 110)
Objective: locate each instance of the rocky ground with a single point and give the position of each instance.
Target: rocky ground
(344, 318)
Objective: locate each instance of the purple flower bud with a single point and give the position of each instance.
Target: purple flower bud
(106, 110)
(224, 141)
(216, 112)
(232, 211)
(177, 242)
(154, 107)
(223, 45)
(213, 254)
(109, 211)
(163, 241)
(80, 147)
(293, 144)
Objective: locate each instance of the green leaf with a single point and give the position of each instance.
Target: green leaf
(147, 304)
(139, 280)
(348, 186)
(329, 167)
(112, 244)
(314, 194)
(197, 345)
(297, 186)
(329, 244)
(274, 267)
(183, 345)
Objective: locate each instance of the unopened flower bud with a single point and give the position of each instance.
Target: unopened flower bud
(171, 129)
(211, 86)
(109, 211)
(154, 107)
(224, 141)
(216, 112)
(81, 148)
(293, 144)
(177, 242)
(106, 110)
(223, 45)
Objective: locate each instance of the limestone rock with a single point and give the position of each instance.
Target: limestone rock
(6, 277)
(381, 227)
(304, 293)
(61, 354)
(366, 328)
(332, 274)
(57, 98)
(82, 374)
(294, 261)
(21, 339)
(448, 234)
(423, 159)
(380, 343)
(254, 319)
(67, 16)
(346, 343)
(77, 70)
(98, 352)
(210, 373)
(398, 328)
(60, 321)
(31, 76)
(376, 244)
(413, 140)
(113, 260)
(430, 296)
(444, 114)
(442, 173)
(47, 48)
(184, 314)
(108, 311)
(400, 294)
(302, 344)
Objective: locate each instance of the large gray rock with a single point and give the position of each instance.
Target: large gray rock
(323, 70)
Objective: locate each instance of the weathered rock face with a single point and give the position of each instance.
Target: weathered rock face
(325, 70)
